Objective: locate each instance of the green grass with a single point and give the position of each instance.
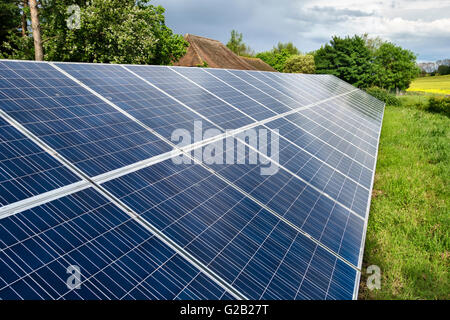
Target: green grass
(408, 231)
(436, 84)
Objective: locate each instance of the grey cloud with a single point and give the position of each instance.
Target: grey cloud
(305, 22)
(341, 12)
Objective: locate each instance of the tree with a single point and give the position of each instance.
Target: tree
(276, 60)
(237, 45)
(394, 67)
(24, 18)
(348, 59)
(300, 64)
(373, 44)
(289, 47)
(443, 70)
(113, 31)
(38, 50)
(9, 17)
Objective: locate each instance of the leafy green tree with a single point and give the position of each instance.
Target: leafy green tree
(348, 59)
(300, 64)
(110, 31)
(289, 47)
(443, 70)
(373, 44)
(237, 45)
(274, 59)
(9, 17)
(394, 67)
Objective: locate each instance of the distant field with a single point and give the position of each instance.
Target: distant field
(439, 84)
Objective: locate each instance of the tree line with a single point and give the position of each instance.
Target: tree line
(133, 31)
(108, 31)
(438, 68)
(360, 60)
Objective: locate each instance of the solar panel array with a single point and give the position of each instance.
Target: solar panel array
(88, 181)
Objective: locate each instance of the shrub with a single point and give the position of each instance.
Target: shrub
(384, 95)
(439, 105)
(300, 64)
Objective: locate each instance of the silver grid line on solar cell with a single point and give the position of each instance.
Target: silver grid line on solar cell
(169, 242)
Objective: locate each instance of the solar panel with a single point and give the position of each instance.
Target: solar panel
(253, 250)
(119, 259)
(144, 102)
(140, 225)
(197, 98)
(83, 128)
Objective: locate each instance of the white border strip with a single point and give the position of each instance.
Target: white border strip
(35, 201)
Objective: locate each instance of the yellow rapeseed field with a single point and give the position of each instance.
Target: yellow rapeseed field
(438, 84)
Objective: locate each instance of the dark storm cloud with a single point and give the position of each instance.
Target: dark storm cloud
(310, 24)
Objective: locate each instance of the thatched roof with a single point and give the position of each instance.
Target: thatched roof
(216, 55)
(258, 64)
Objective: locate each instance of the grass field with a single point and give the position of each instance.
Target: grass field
(408, 231)
(438, 84)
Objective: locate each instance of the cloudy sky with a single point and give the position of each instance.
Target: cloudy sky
(422, 26)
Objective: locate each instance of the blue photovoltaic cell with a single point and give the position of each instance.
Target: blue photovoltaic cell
(334, 183)
(81, 127)
(227, 93)
(340, 128)
(193, 96)
(331, 155)
(117, 258)
(347, 124)
(139, 99)
(256, 252)
(351, 108)
(25, 169)
(255, 93)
